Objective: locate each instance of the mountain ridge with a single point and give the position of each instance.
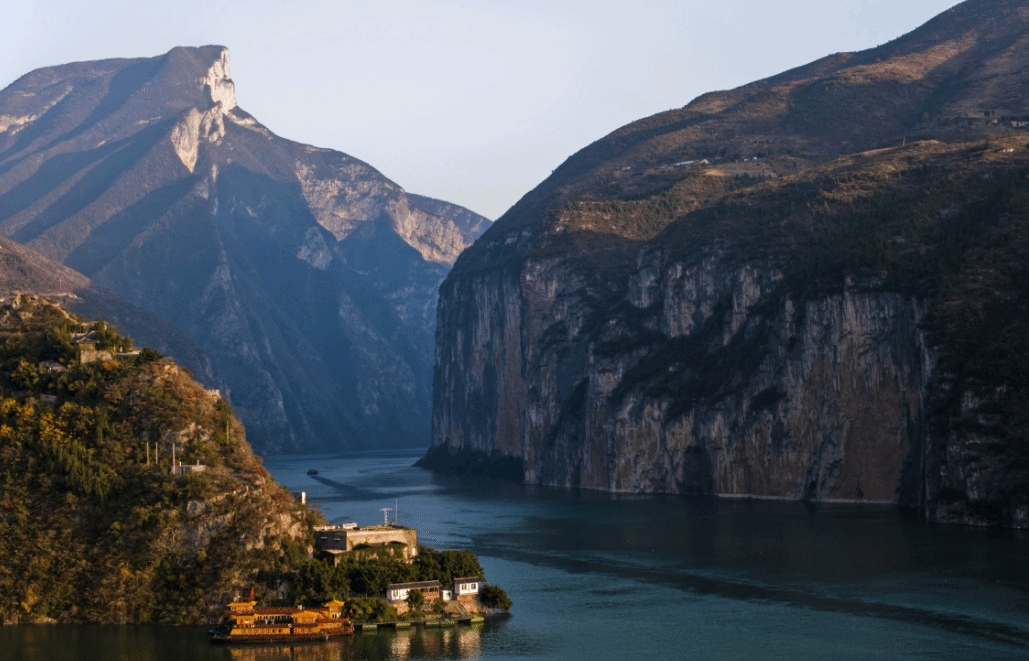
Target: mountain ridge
(24, 270)
(786, 111)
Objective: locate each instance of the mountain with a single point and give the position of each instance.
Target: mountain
(95, 523)
(306, 276)
(811, 287)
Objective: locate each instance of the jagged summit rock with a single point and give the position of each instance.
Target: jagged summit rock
(307, 276)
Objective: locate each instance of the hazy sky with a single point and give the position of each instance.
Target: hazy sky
(471, 102)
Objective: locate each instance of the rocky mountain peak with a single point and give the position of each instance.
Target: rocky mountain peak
(205, 69)
(218, 83)
(207, 124)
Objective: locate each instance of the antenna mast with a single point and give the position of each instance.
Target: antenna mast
(385, 514)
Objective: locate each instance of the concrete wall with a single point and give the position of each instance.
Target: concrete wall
(375, 536)
(336, 539)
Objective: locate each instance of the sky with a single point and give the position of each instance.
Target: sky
(472, 102)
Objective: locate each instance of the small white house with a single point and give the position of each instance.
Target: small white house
(399, 591)
(467, 586)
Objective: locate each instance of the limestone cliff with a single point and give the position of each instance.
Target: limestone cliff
(799, 325)
(708, 380)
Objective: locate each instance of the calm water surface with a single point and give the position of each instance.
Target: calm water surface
(597, 576)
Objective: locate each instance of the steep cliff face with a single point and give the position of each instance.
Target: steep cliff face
(665, 316)
(697, 378)
(308, 277)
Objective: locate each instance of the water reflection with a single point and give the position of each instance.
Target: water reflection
(460, 642)
(332, 650)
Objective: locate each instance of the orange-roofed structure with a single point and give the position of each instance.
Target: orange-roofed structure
(283, 624)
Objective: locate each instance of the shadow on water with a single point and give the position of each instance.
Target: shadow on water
(345, 492)
(79, 642)
(697, 583)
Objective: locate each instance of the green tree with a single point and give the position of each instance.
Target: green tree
(370, 609)
(493, 596)
(445, 566)
(415, 600)
(371, 576)
(148, 355)
(317, 582)
(26, 375)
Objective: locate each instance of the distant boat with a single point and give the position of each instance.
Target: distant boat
(312, 472)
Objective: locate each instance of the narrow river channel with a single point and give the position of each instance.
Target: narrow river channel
(600, 576)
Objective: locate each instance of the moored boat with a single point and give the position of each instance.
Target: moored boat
(251, 625)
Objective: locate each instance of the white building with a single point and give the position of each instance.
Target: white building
(467, 586)
(399, 591)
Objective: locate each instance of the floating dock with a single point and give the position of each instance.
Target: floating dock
(407, 624)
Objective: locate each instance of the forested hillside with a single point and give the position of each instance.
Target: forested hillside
(95, 526)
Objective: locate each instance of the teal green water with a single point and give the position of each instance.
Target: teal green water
(599, 576)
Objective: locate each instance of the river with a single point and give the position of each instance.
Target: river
(601, 576)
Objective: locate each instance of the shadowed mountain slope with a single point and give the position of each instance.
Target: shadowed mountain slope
(308, 277)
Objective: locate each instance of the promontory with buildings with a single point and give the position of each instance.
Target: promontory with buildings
(129, 495)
